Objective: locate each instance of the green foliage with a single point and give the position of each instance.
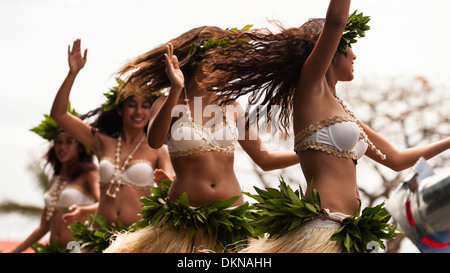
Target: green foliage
(48, 248)
(199, 50)
(111, 96)
(283, 210)
(94, 240)
(356, 28)
(48, 128)
(226, 225)
(112, 99)
(357, 232)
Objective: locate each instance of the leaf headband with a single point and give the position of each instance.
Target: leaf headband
(48, 128)
(120, 93)
(356, 28)
(199, 50)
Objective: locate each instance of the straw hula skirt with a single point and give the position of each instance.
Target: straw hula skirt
(175, 227)
(290, 223)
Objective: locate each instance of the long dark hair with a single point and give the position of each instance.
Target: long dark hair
(84, 162)
(264, 64)
(108, 122)
(148, 69)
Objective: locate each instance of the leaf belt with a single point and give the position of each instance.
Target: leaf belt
(281, 211)
(226, 224)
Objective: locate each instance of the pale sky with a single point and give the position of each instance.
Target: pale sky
(408, 37)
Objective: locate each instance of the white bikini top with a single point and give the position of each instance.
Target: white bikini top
(339, 136)
(138, 174)
(188, 138)
(70, 195)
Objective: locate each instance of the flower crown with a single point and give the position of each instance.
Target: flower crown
(199, 50)
(48, 128)
(356, 28)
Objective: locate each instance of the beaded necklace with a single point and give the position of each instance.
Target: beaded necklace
(54, 196)
(119, 181)
(363, 135)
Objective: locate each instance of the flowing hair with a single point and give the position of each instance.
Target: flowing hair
(148, 69)
(264, 64)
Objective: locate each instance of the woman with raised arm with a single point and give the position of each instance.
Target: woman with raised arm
(201, 149)
(118, 139)
(298, 69)
(73, 191)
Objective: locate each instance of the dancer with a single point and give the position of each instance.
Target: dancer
(126, 162)
(201, 149)
(73, 190)
(298, 69)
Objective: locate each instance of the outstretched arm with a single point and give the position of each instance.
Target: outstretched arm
(268, 160)
(399, 160)
(70, 123)
(255, 148)
(161, 113)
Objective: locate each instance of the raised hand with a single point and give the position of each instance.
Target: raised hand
(173, 70)
(76, 60)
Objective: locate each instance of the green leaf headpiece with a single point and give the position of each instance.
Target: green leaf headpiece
(199, 50)
(120, 93)
(48, 128)
(356, 28)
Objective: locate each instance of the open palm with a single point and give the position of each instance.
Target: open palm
(173, 70)
(76, 60)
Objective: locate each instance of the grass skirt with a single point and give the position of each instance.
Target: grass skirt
(303, 239)
(153, 239)
(169, 226)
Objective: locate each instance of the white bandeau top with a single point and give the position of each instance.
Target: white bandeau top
(138, 174)
(339, 136)
(70, 195)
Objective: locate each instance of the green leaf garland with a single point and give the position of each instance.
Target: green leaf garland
(284, 210)
(227, 225)
(48, 127)
(355, 28)
(371, 226)
(94, 240)
(113, 99)
(199, 50)
(52, 247)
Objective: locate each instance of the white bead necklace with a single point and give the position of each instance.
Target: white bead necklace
(54, 196)
(119, 181)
